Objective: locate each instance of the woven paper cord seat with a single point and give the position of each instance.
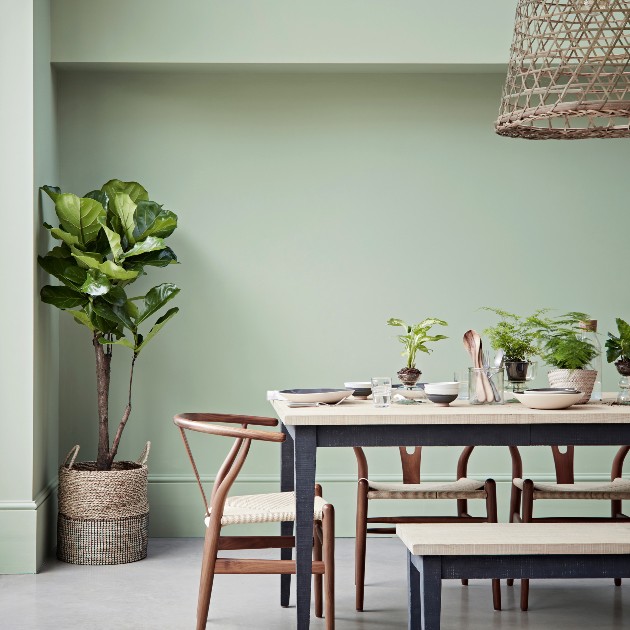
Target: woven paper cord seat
(616, 489)
(462, 488)
(275, 507)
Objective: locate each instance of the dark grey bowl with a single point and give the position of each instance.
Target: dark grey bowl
(442, 400)
(362, 392)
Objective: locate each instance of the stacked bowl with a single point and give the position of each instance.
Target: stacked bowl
(442, 394)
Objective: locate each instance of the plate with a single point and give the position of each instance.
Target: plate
(552, 390)
(330, 396)
(547, 400)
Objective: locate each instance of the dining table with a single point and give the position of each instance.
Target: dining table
(360, 423)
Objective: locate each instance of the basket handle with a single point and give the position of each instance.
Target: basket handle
(74, 451)
(144, 456)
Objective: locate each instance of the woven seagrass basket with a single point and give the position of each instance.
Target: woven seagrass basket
(103, 514)
(582, 380)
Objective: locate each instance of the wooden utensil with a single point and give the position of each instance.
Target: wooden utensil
(470, 343)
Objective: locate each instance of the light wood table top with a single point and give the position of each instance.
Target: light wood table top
(505, 539)
(363, 412)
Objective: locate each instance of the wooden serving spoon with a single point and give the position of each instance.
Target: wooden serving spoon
(471, 339)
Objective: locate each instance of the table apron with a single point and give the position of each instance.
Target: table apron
(553, 566)
(471, 434)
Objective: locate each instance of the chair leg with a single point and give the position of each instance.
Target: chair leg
(492, 514)
(361, 540)
(528, 509)
(328, 526)
(317, 579)
(208, 563)
(515, 508)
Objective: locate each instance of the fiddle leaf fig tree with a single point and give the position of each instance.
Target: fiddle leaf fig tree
(108, 238)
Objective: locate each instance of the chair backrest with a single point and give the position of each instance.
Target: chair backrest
(229, 470)
(564, 462)
(411, 463)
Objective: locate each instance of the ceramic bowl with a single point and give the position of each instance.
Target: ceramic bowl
(330, 396)
(451, 387)
(548, 400)
(411, 394)
(362, 389)
(441, 400)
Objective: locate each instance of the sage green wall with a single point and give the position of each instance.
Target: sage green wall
(312, 208)
(282, 31)
(29, 369)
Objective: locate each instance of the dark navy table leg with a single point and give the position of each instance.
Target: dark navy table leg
(430, 591)
(305, 451)
(287, 484)
(413, 595)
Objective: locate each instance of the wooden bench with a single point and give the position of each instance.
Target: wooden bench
(506, 550)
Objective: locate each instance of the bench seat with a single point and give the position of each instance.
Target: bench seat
(506, 550)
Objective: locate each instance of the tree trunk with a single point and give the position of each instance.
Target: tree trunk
(103, 363)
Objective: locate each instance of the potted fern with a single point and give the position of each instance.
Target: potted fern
(516, 337)
(618, 352)
(415, 340)
(564, 346)
(107, 239)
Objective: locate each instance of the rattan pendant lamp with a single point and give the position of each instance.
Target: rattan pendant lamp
(569, 71)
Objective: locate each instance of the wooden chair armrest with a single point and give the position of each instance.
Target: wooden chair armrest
(230, 418)
(617, 467)
(236, 432)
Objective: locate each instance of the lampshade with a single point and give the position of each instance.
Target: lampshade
(569, 74)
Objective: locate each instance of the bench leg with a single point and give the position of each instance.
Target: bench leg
(413, 595)
(424, 592)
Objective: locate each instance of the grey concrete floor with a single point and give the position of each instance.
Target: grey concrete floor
(160, 593)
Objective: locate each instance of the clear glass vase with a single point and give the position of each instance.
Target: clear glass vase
(485, 386)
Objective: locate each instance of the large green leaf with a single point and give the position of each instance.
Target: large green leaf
(62, 297)
(106, 311)
(116, 296)
(159, 258)
(133, 189)
(150, 244)
(81, 317)
(64, 236)
(52, 191)
(114, 242)
(153, 220)
(96, 283)
(156, 298)
(123, 209)
(120, 342)
(98, 195)
(80, 216)
(60, 251)
(64, 269)
(159, 324)
(103, 324)
(109, 268)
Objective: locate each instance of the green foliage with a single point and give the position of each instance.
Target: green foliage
(416, 337)
(108, 237)
(561, 343)
(619, 347)
(515, 335)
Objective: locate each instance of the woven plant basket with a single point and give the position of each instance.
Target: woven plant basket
(582, 380)
(103, 514)
(569, 74)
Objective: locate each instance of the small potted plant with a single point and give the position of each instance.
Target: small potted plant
(415, 339)
(516, 336)
(564, 346)
(618, 352)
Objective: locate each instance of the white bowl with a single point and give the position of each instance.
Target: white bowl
(546, 400)
(451, 387)
(410, 394)
(330, 396)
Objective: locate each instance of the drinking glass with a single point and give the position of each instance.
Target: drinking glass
(382, 391)
(462, 379)
(485, 386)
